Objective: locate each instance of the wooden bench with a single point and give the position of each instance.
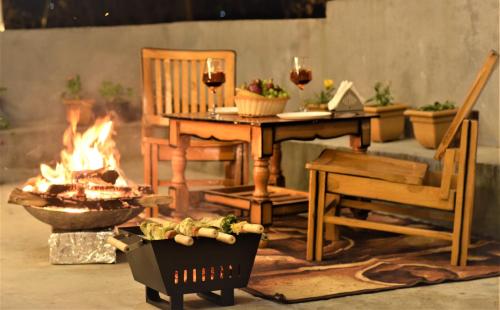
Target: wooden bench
(375, 183)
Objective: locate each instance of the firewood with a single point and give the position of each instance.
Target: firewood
(108, 176)
(17, 196)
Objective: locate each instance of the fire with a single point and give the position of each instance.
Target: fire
(91, 151)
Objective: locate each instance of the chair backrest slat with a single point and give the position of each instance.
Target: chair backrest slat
(172, 81)
(176, 86)
(193, 85)
(470, 100)
(185, 85)
(158, 86)
(168, 86)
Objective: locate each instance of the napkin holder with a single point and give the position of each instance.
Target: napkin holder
(346, 99)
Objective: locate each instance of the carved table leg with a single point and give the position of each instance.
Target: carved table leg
(260, 177)
(261, 208)
(179, 190)
(361, 141)
(276, 177)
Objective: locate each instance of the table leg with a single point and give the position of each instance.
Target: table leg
(261, 207)
(361, 141)
(260, 177)
(179, 190)
(276, 174)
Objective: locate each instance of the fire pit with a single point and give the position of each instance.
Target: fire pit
(86, 190)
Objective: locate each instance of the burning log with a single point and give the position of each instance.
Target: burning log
(97, 176)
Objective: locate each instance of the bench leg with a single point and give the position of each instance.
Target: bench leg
(318, 253)
(332, 232)
(311, 216)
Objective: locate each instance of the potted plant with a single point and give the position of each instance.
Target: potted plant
(430, 122)
(390, 123)
(321, 99)
(117, 100)
(72, 99)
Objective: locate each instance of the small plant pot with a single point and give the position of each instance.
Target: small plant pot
(84, 106)
(429, 127)
(390, 124)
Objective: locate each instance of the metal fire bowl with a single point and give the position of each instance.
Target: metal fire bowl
(86, 220)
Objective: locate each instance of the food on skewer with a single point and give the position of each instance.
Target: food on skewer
(221, 229)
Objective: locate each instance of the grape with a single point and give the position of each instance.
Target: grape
(255, 88)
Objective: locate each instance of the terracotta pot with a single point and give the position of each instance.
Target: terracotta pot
(85, 107)
(390, 123)
(429, 127)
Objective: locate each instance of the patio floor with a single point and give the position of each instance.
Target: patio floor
(28, 281)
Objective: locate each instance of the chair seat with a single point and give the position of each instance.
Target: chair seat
(370, 166)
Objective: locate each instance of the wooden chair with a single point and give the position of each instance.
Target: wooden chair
(172, 83)
(375, 183)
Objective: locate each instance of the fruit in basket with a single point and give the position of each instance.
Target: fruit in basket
(263, 88)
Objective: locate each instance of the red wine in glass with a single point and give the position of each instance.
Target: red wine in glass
(214, 80)
(301, 77)
(213, 73)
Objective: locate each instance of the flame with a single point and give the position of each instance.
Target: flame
(92, 150)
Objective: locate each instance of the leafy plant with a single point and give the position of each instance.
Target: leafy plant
(438, 106)
(115, 92)
(382, 95)
(73, 88)
(325, 95)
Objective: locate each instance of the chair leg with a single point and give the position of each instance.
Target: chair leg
(155, 183)
(146, 149)
(229, 173)
(237, 170)
(320, 210)
(246, 163)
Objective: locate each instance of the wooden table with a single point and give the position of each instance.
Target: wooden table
(264, 136)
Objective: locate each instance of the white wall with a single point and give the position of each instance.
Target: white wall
(429, 50)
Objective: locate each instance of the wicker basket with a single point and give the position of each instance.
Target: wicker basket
(255, 107)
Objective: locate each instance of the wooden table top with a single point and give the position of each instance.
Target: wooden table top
(266, 121)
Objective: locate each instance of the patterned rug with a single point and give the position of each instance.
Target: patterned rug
(364, 261)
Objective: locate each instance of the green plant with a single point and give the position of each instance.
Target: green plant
(325, 95)
(382, 95)
(115, 92)
(73, 88)
(438, 106)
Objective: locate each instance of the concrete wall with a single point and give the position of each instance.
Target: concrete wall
(429, 50)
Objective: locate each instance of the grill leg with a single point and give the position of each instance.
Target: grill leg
(226, 298)
(153, 298)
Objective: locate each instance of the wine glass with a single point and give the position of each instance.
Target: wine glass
(300, 75)
(213, 73)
